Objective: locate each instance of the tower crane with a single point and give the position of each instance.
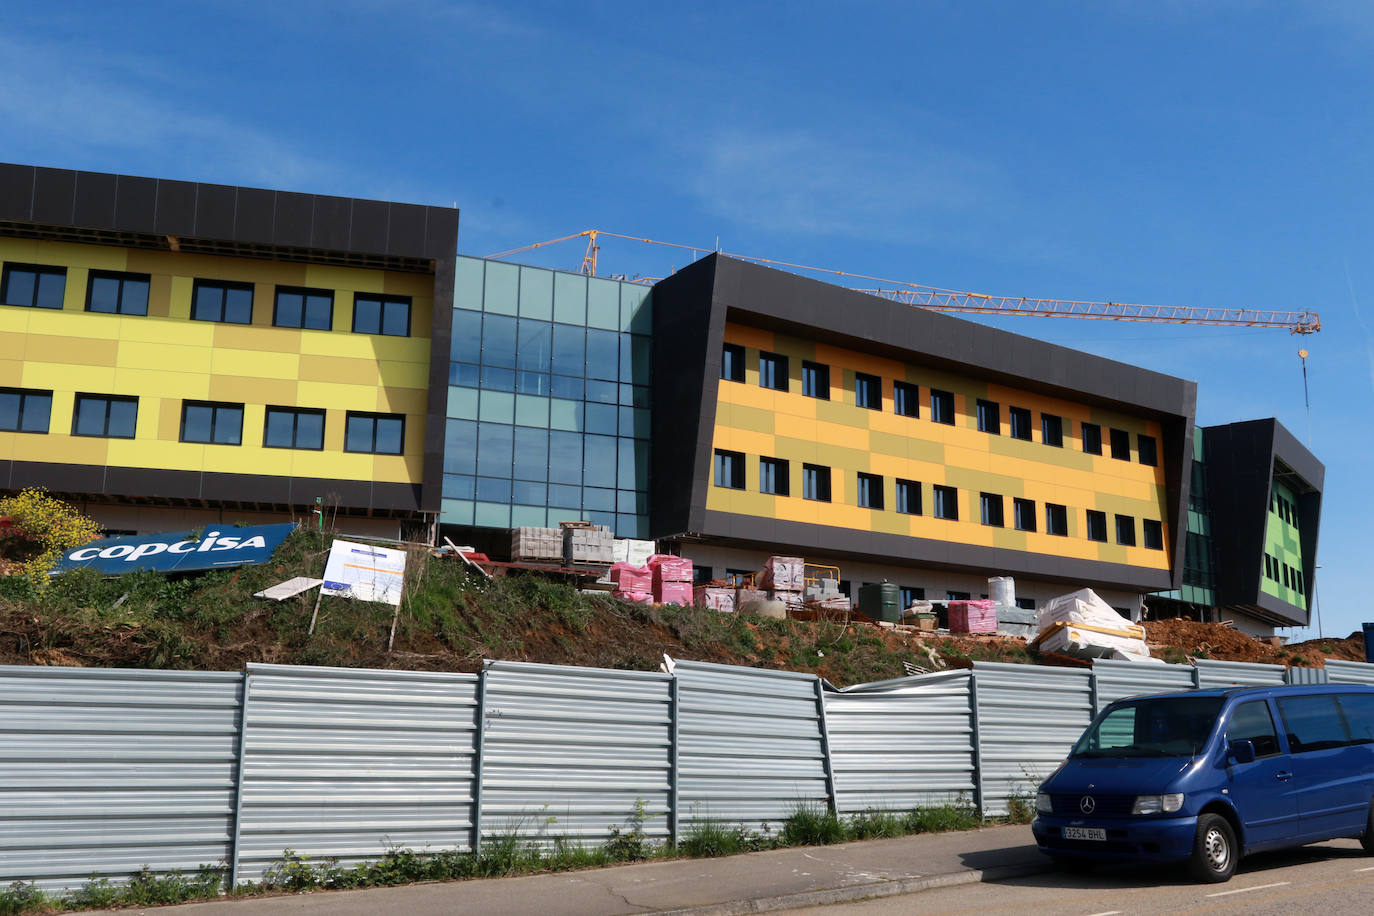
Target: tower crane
(949, 300)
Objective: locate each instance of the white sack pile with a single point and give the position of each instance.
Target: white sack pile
(1083, 625)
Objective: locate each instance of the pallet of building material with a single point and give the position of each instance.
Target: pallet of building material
(637, 597)
(630, 578)
(972, 616)
(792, 600)
(1012, 614)
(531, 544)
(588, 546)
(715, 598)
(783, 573)
(673, 593)
(578, 523)
(668, 568)
(630, 550)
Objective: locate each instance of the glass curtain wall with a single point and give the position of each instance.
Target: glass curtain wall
(548, 399)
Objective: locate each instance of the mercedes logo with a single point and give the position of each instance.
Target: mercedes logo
(1086, 804)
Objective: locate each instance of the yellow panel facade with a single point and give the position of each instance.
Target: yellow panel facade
(849, 440)
(165, 359)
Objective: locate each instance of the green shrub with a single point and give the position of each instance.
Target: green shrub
(812, 825)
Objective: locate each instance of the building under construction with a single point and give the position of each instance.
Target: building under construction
(180, 353)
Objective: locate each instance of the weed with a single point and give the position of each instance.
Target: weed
(630, 844)
(812, 825)
(24, 898)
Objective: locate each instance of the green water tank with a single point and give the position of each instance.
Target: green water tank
(881, 601)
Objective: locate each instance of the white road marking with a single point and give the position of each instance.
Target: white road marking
(1106, 913)
(1257, 887)
(1358, 870)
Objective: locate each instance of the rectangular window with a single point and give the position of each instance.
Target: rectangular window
(1023, 514)
(910, 594)
(773, 474)
(908, 497)
(375, 314)
(945, 502)
(291, 427)
(212, 424)
(105, 416)
(732, 363)
(309, 309)
(989, 417)
(906, 399)
(1052, 430)
(816, 482)
(868, 391)
(773, 371)
(1313, 723)
(729, 469)
(941, 407)
(218, 300)
(1056, 520)
(1145, 449)
(1153, 533)
(816, 380)
(1020, 423)
(1092, 438)
(1121, 444)
(24, 410)
(1125, 530)
(1287, 580)
(870, 491)
(958, 596)
(1097, 525)
(990, 505)
(1026, 604)
(33, 285)
(378, 433)
(117, 293)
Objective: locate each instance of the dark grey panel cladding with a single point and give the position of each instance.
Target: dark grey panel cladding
(847, 543)
(688, 332)
(436, 403)
(124, 203)
(1240, 469)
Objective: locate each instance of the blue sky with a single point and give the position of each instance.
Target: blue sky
(1171, 152)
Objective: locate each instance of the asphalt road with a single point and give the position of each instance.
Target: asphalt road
(1331, 879)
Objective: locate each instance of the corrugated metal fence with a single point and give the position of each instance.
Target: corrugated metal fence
(103, 772)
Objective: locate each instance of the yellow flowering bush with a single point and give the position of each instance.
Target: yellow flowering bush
(50, 525)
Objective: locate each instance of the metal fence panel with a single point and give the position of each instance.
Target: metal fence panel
(105, 771)
(750, 744)
(1299, 675)
(1117, 679)
(1028, 718)
(1340, 672)
(903, 745)
(571, 752)
(349, 762)
(1212, 673)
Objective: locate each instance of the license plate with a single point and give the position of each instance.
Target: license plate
(1085, 833)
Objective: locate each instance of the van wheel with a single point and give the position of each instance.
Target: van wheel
(1214, 850)
(1367, 841)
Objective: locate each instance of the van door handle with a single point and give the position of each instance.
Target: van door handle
(1283, 775)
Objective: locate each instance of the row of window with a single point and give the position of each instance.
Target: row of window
(1311, 723)
(1284, 509)
(870, 490)
(209, 423)
(906, 402)
(40, 286)
(1291, 576)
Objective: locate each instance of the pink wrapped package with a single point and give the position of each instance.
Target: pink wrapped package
(973, 617)
(670, 569)
(636, 597)
(631, 578)
(673, 593)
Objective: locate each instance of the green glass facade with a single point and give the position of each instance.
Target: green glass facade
(548, 399)
(1283, 576)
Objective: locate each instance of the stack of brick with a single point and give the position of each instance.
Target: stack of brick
(825, 593)
(536, 545)
(632, 583)
(717, 598)
(590, 545)
(973, 616)
(784, 578)
(672, 579)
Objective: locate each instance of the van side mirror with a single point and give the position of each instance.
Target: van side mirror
(1242, 750)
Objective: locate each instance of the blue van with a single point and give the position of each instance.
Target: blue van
(1209, 776)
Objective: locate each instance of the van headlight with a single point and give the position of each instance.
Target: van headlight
(1043, 805)
(1158, 804)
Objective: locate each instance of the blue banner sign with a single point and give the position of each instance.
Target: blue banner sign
(180, 551)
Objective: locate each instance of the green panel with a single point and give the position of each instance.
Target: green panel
(754, 419)
(502, 288)
(906, 447)
(531, 410)
(462, 403)
(570, 298)
(492, 515)
(497, 407)
(467, 283)
(536, 293)
(528, 516)
(984, 482)
(636, 308)
(603, 304)
(456, 512)
(1282, 541)
(565, 414)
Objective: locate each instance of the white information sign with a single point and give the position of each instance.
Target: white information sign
(363, 572)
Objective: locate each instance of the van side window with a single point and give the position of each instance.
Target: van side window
(1252, 722)
(1313, 723)
(1359, 715)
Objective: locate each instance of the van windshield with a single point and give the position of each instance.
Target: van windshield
(1156, 727)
